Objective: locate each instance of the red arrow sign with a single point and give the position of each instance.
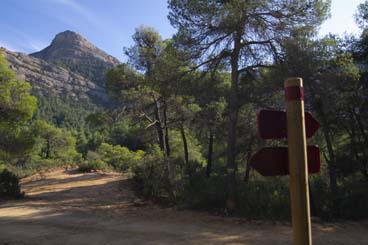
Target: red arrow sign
(272, 124)
(273, 161)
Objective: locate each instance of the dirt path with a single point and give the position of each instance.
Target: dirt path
(66, 207)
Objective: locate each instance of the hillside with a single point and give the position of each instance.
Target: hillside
(67, 77)
(50, 79)
(71, 50)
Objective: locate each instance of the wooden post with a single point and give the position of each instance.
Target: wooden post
(298, 168)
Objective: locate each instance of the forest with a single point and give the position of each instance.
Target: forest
(182, 112)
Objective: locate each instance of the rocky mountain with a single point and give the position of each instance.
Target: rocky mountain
(77, 54)
(70, 67)
(67, 77)
(52, 80)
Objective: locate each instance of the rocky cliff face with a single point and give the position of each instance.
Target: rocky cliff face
(71, 67)
(74, 52)
(53, 80)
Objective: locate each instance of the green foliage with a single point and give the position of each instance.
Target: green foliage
(265, 198)
(113, 127)
(205, 193)
(81, 145)
(63, 111)
(121, 78)
(126, 134)
(361, 16)
(92, 166)
(93, 163)
(54, 143)
(120, 158)
(16, 103)
(9, 184)
(108, 157)
(16, 110)
(148, 47)
(150, 175)
(177, 152)
(350, 201)
(93, 69)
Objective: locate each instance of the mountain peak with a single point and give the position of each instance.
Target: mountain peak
(70, 38)
(72, 50)
(71, 35)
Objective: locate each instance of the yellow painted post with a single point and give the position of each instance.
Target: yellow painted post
(298, 168)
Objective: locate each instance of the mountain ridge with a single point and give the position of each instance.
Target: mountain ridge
(50, 79)
(71, 50)
(70, 67)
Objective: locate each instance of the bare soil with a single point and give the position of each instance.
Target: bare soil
(67, 207)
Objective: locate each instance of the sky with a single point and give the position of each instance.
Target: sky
(29, 26)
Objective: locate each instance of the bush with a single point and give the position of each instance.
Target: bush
(177, 147)
(126, 134)
(119, 157)
(93, 163)
(150, 175)
(352, 200)
(9, 184)
(201, 192)
(264, 198)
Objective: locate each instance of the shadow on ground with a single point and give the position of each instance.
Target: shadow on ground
(74, 208)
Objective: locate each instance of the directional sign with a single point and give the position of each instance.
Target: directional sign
(272, 161)
(272, 124)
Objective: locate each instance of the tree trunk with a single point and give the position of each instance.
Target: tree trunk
(160, 133)
(48, 149)
(185, 145)
(233, 121)
(209, 155)
(160, 136)
(332, 160)
(247, 168)
(163, 140)
(168, 149)
(365, 137)
(361, 127)
(171, 171)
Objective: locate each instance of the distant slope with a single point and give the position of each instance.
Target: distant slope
(67, 77)
(49, 79)
(71, 50)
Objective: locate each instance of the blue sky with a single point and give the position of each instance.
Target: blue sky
(29, 26)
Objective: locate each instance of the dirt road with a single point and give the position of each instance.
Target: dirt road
(67, 207)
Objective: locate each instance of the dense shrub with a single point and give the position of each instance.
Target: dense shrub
(150, 175)
(264, 198)
(94, 162)
(177, 148)
(259, 198)
(9, 184)
(91, 166)
(204, 193)
(54, 143)
(352, 200)
(119, 157)
(126, 134)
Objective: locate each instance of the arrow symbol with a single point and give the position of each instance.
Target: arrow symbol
(272, 124)
(273, 161)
